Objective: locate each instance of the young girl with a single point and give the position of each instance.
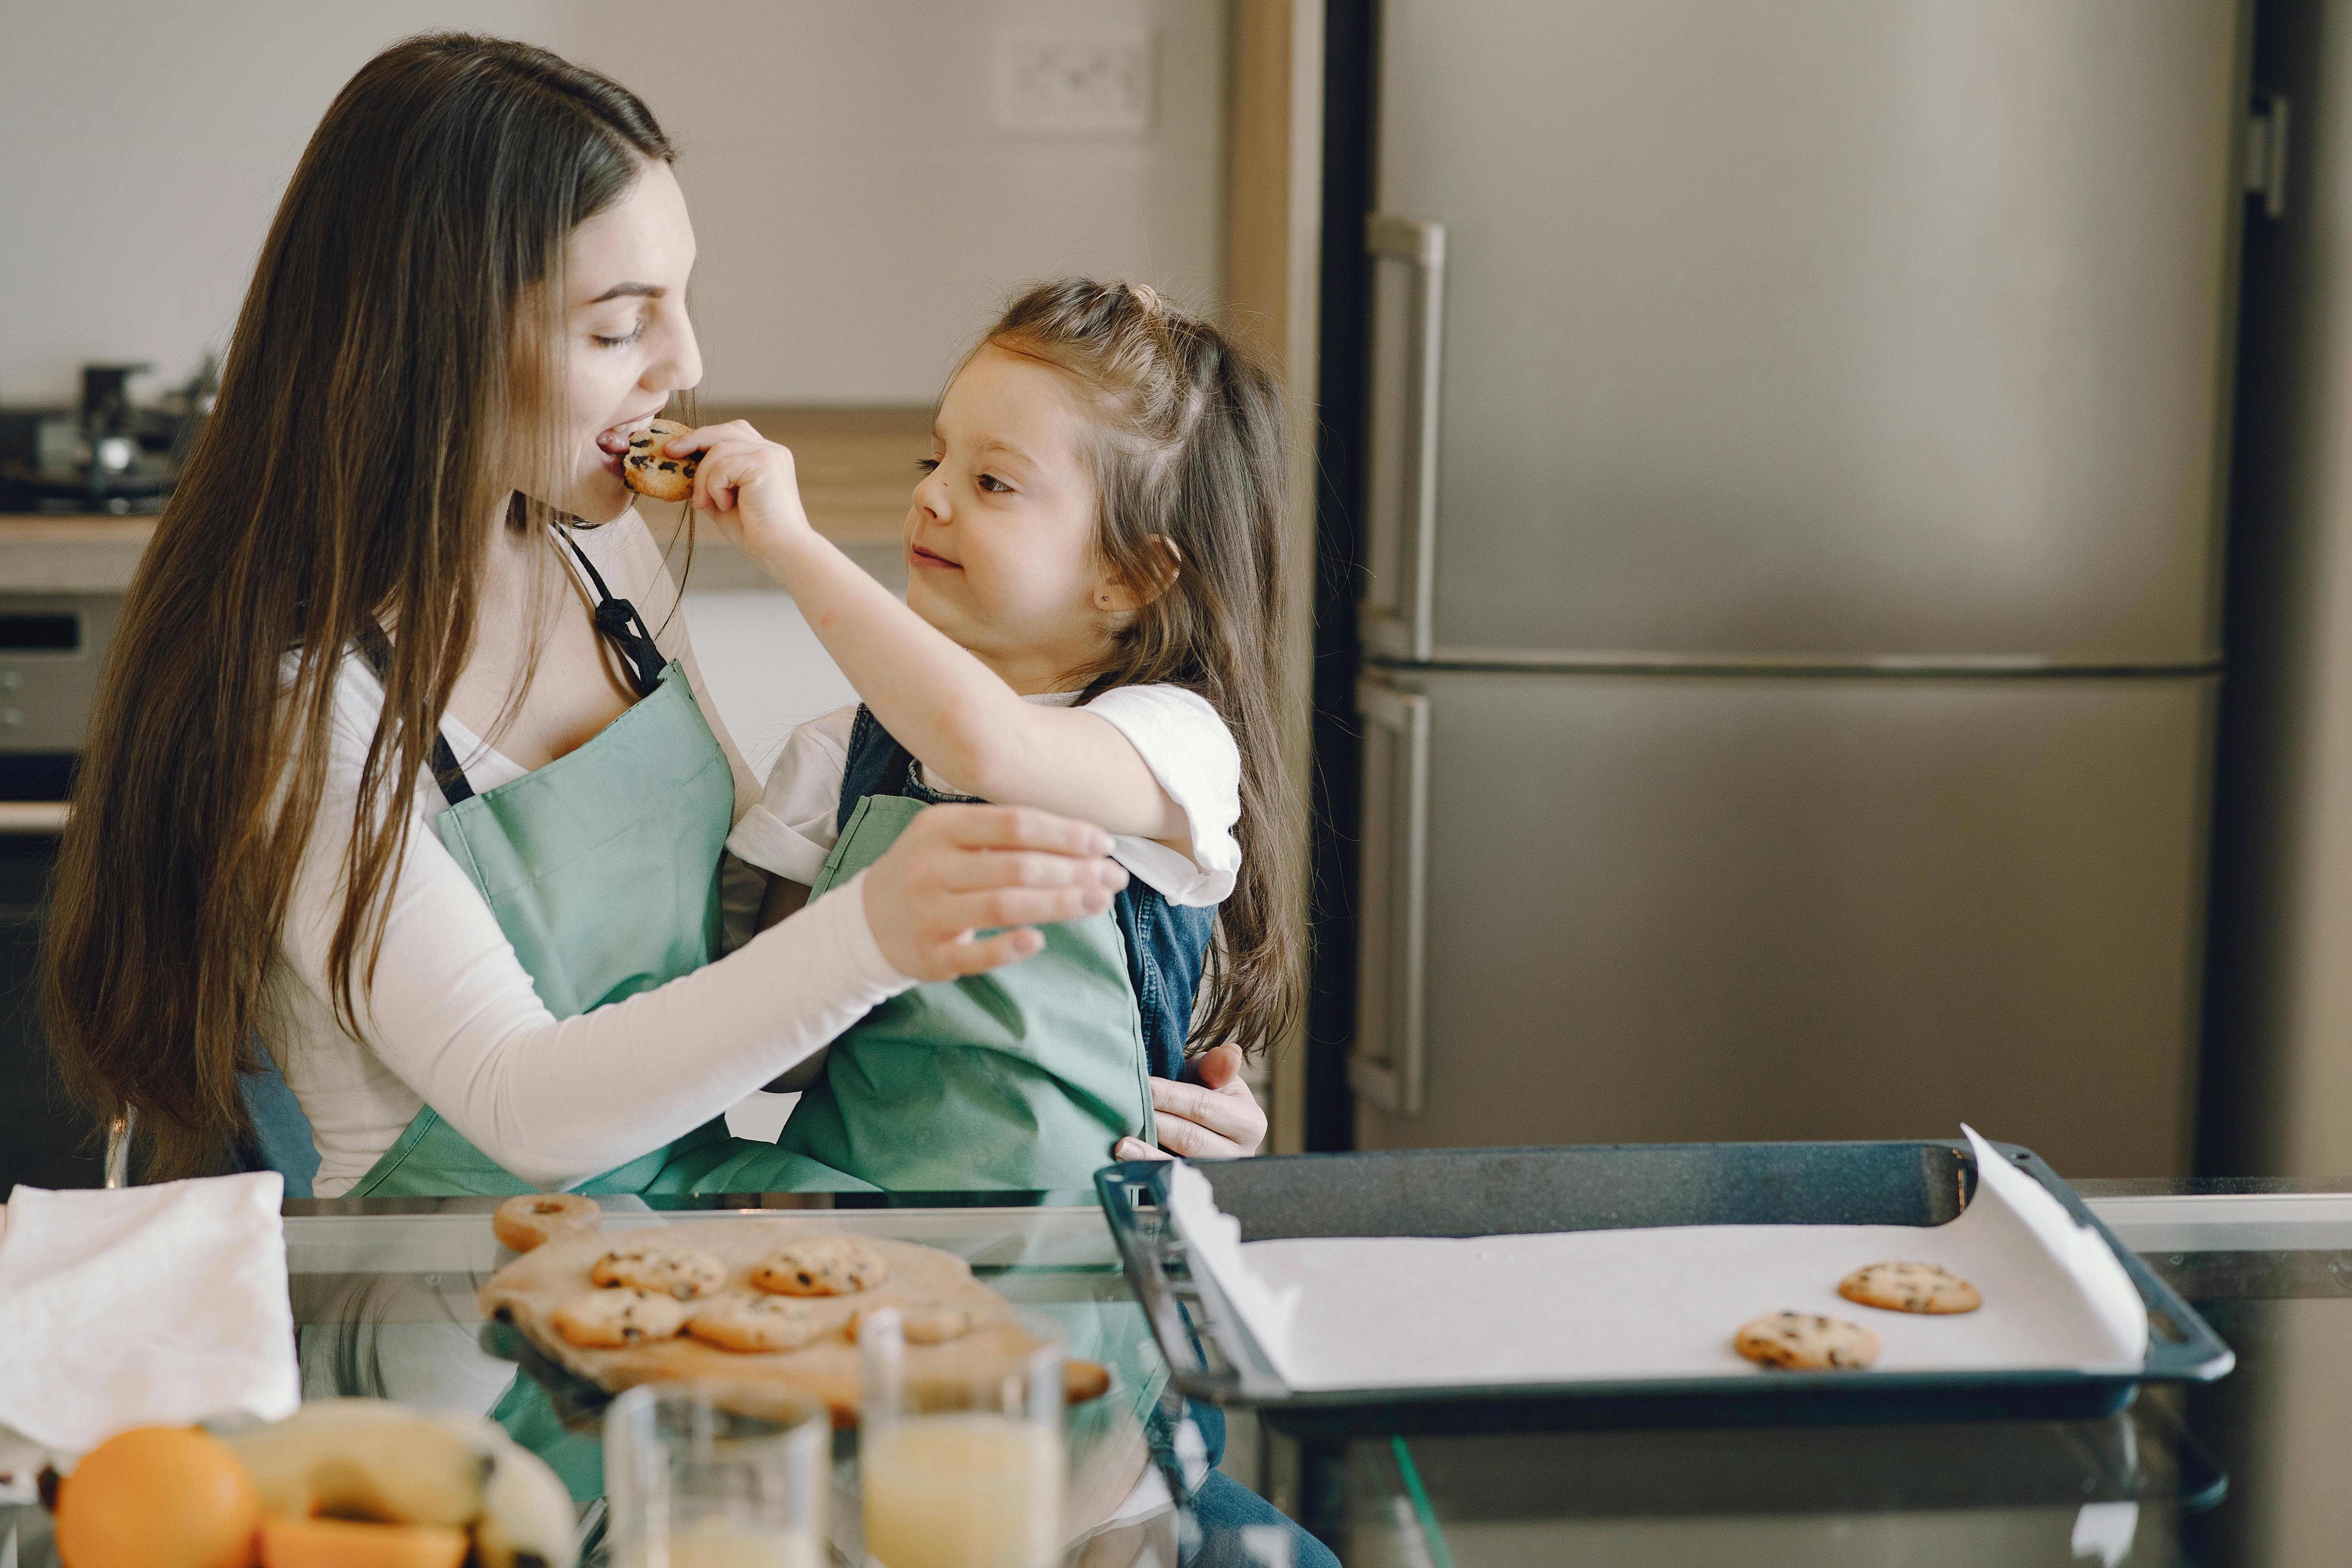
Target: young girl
(1093, 626)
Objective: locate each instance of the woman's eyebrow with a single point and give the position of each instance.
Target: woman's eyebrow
(621, 291)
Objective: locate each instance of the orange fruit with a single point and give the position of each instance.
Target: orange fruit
(157, 1497)
(347, 1543)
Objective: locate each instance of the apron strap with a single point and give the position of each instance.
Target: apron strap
(376, 649)
(618, 620)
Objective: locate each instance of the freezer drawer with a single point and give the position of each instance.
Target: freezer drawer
(1835, 327)
(1663, 909)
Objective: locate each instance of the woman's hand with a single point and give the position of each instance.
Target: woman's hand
(745, 481)
(1211, 1116)
(958, 871)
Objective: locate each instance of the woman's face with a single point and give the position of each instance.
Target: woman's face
(627, 343)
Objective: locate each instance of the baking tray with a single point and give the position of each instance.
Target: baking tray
(1500, 1192)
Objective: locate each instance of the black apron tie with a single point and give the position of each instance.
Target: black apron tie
(616, 618)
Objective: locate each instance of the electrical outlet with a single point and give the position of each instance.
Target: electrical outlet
(1049, 82)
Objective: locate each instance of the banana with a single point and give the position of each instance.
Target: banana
(373, 1460)
(528, 1521)
(367, 1459)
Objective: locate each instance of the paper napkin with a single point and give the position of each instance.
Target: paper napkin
(143, 1306)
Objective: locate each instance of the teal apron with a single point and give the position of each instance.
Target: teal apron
(1019, 1078)
(602, 869)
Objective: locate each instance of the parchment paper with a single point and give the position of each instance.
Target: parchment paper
(1395, 1311)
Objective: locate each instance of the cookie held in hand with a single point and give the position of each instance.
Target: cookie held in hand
(1806, 1341)
(650, 473)
(1910, 1288)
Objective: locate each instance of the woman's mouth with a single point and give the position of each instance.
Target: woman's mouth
(616, 440)
(614, 443)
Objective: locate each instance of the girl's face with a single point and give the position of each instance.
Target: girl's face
(1000, 540)
(627, 343)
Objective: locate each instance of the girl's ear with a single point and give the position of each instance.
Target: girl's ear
(1115, 595)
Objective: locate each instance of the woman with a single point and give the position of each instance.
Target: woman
(402, 763)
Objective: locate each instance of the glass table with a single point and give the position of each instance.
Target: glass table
(2241, 1473)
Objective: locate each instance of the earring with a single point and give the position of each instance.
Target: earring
(1103, 600)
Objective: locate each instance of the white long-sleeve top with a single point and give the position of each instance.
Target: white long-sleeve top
(452, 1019)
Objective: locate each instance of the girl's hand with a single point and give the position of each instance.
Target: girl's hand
(1213, 1116)
(745, 481)
(960, 869)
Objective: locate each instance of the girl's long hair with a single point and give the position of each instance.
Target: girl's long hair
(1190, 447)
(389, 384)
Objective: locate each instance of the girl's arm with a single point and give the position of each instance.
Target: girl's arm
(942, 704)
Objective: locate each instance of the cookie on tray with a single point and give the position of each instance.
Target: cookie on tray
(683, 1272)
(1910, 1288)
(1806, 1341)
(612, 1319)
(822, 1266)
(537, 1218)
(737, 1322)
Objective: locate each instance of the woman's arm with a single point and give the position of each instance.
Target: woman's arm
(453, 1012)
(942, 704)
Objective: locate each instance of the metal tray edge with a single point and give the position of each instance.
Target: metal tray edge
(2199, 1356)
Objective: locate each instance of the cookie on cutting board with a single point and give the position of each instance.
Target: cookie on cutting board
(536, 1218)
(920, 1280)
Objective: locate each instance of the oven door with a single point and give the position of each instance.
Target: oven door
(52, 647)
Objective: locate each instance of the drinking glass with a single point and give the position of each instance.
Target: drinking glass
(961, 1457)
(717, 1474)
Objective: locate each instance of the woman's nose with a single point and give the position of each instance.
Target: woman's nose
(677, 364)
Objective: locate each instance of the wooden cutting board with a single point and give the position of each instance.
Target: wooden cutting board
(527, 1292)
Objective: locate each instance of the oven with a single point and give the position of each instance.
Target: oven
(52, 647)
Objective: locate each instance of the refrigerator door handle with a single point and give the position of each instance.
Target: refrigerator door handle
(1399, 612)
(1385, 1059)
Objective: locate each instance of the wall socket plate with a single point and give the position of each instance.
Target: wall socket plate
(1065, 84)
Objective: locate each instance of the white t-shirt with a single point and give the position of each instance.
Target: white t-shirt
(453, 1020)
(1178, 736)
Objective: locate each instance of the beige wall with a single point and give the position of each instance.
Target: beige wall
(860, 210)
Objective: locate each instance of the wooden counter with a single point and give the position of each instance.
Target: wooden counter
(856, 471)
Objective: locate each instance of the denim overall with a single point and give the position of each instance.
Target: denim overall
(1020, 1078)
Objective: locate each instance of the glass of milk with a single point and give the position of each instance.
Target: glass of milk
(717, 1474)
(962, 1458)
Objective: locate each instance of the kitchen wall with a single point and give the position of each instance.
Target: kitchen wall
(859, 205)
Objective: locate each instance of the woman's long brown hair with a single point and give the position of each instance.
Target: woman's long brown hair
(388, 384)
(1189, 448)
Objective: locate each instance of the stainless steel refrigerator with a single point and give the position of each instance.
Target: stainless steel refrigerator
(1787, 518)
